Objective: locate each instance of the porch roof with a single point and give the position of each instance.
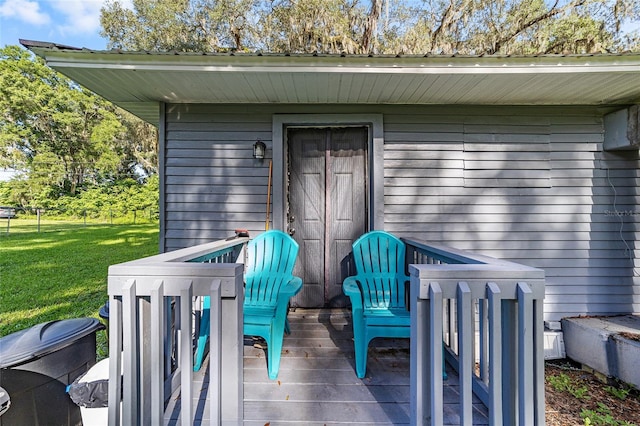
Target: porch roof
(139, 81)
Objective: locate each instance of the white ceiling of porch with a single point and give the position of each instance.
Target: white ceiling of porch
(138, 81)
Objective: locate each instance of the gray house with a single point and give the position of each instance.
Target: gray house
(531, 159)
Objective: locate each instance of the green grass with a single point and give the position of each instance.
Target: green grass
(61, 272)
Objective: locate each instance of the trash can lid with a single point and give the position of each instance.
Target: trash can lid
(42, 339)
(104, 311)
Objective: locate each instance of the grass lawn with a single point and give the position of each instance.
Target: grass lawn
(61, 272)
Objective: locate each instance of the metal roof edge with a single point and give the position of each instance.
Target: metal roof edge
(70, 55)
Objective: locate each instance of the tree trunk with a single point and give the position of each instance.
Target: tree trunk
(370, 26)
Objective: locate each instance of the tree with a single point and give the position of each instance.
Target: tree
(521, 27)
(184, 25)
(61, 136)
(374, 26)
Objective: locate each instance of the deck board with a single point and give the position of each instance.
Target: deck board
(317, 383)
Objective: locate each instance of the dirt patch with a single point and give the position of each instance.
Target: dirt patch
(630, 336)
(613, 403)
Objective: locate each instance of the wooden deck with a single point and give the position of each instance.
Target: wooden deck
(317, 384)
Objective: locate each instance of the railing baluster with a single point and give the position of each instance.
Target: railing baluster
(484, 341)
(435, 352)
(495, 354)
(509, 349)
(453, 334)
(525, 354)
(466, 330)
(186, 357)
(157, 353)
(131, 384)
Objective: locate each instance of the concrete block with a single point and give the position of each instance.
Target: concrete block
(627, 356)
(585, 340)
(609, 345)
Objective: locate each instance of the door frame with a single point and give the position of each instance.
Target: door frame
(375, 150)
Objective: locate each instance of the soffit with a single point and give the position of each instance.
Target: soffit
(139, 81)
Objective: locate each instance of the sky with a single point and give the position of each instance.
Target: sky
(70, 22)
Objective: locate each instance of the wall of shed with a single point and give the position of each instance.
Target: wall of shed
(527, 184)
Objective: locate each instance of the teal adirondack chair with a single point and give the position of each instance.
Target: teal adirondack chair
(269, 286)
(377, 293)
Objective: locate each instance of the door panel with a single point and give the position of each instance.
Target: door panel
(306, 212)
(348, 206)
(327, 207)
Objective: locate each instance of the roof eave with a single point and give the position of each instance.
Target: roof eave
(144, 79)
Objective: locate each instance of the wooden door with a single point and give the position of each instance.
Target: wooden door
(327, 202)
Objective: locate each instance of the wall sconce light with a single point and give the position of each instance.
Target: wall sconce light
(259, 149)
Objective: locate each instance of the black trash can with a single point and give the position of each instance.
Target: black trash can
(38, 363)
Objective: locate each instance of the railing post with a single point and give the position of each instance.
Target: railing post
(526, 356)
(232, 342)
(115, 360)
(215, 353)
(426, 354)
(538, 325)
(418, 361)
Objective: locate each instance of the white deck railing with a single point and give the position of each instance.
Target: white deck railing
(490, 312)
(151, 320)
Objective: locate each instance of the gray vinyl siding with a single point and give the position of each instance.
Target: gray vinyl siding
(213, 184)
(527, 184)
(549, 207)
